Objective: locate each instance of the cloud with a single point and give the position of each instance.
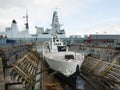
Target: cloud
(112, 27)
(7, 4)
(40, 11)
(69, 11)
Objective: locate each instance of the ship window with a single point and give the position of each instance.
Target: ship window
(69, 57)
(61, 48)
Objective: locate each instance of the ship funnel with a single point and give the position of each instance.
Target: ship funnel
(14, 21)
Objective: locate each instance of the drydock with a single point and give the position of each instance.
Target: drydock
(22, 68)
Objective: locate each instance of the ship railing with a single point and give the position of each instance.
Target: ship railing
(43, 48)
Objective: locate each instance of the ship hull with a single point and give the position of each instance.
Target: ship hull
(63, 79)
(70, 81)
(64, 66)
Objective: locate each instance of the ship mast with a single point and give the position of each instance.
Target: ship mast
(26, 23)
(55, 23)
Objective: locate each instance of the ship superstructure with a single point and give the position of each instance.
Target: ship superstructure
(55, 25)
(55, 28)
(14, 33)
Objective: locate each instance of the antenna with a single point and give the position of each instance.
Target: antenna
(56, 8)
(26, 17)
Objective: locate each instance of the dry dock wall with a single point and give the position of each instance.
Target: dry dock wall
(2, 81)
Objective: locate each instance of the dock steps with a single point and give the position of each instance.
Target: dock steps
(107, 74)
(24, 70)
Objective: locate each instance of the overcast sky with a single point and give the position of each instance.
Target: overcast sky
(78, 17)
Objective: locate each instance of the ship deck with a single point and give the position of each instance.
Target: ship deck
(61, 56)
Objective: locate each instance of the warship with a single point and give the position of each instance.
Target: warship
(13, 32)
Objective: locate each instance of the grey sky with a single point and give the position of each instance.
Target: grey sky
(77, 16)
